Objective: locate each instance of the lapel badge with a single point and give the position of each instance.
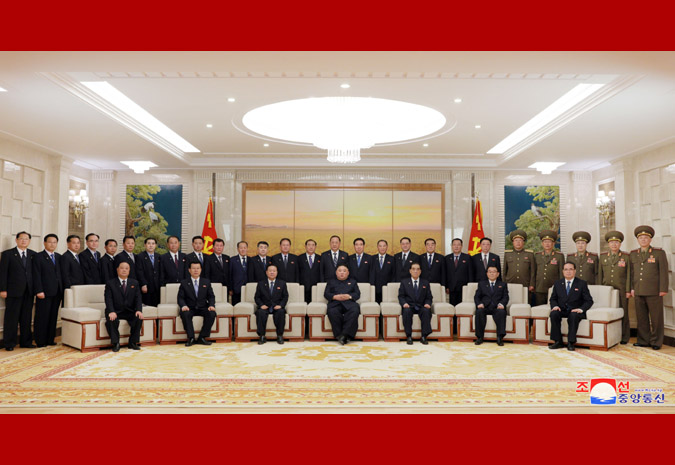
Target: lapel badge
(576, 289)
(279, 288)
(203, 285)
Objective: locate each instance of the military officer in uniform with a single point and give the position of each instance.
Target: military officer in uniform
(586, 262)
(519, 262)
(649, 272)
(614, 270)
(548, 266)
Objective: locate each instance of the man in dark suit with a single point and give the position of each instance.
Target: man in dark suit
(331, 259)
(491, 298)
(343, 311)
(127, 255)
(16, 287)
(481, 261)
(309, 268)
(287, 263)
(570, 299)
(271, 297)
(404, 259)
(382, 272)
(196, 298)
(258, 264)
(71, 270)
(147, 270)
(239, 266)
(458, 271)
(123, 302)
(197, 253)
(218, 264)
(48, 288)
(108, 271)
(89, 260)
(360, 264)
(415, 298)
(173, 264)
(432, 264)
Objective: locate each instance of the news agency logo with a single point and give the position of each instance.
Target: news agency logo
(603, 391)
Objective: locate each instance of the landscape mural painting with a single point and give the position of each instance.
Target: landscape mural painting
(532, 209)
(153, 211)
(372, 214)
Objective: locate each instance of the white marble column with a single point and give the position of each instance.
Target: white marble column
(225, 210)
(582, 214)
(461, 214)
(103, 201)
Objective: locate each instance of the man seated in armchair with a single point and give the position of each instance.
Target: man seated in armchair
(414, 295)
(123, 301)
(196, 298)
(491, 298)
(570, 299)
(271, 297)
(343, 311)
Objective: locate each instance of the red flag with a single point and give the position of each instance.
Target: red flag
(476, 230)
(209, 229)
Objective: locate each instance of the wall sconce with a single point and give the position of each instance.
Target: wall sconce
(79, 203)
(605, 203)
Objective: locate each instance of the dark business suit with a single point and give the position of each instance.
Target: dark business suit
(361, 272)
(108, 270)
(343, 315)
(401, 269)
(148, 275)
(279, 296)
(16, 278)
(71, 271)
(579, 297)
(192, 257)
(125, 304)
(198, 306)
(456, 276)
(124, 257)
(90, 266)
(434, 273)
(381, 275)
(479, 270)
(257, 270)
(290, 271)
(491, 296)
(47, 280)
(218, 271)
(309, 276)
(416, 301)
(238, 276)
(328, 268)
(170, 271)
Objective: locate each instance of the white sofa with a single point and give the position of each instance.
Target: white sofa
(83, 320)
(518, 313)
(245, 323)
(600, 330)
(441, 315)
(171, 329)
(320, 328)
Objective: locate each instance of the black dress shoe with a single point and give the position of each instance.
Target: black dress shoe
(29, 346)
(262, 340)
(656, 347)
(479, 341)
(280, 339)
(134, 346)
(41, 345)
(204, 342)
(342, 340)
(116, 347)
(408, 340)
(190, 342)
(9, 349)
(556, 345)
(637, 344)
(624, 343)
(500, 340)
(52, 344)
(424, 340)
(570, 346)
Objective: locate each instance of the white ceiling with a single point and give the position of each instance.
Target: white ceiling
(187, 90)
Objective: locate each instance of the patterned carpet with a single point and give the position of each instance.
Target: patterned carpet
(314, 374)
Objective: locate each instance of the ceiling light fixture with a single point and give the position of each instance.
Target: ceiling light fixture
(231, 99)
(425, 145)
(134, 111)
(344, 125)
(3, 90)
(209, 125)
(477, 126)
(550, 113)
(345, 86)
(139, 167)
(266, 145)
(458, 100)
(546, 167)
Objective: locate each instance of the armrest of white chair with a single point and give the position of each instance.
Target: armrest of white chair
(224, 309)
(316, 308)
(244, 309)
(149, 312)
(541, 311)
(167, 310)
(465, 308)
(390, 309)
(521, 310)
(604, 314)
(80, 314)
(369, 308)
(443, 308)
(296, 308)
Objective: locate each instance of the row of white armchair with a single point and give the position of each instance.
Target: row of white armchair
(83, 317)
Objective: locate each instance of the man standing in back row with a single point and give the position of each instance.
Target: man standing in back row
(614, 270)
(459, 271)
(548, 266)
(586, 262)
(519, 262)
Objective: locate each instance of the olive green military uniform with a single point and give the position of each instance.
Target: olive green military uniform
(587, 262)
(614, 270)
(519, 264)
(548, 269)
(649, 271)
